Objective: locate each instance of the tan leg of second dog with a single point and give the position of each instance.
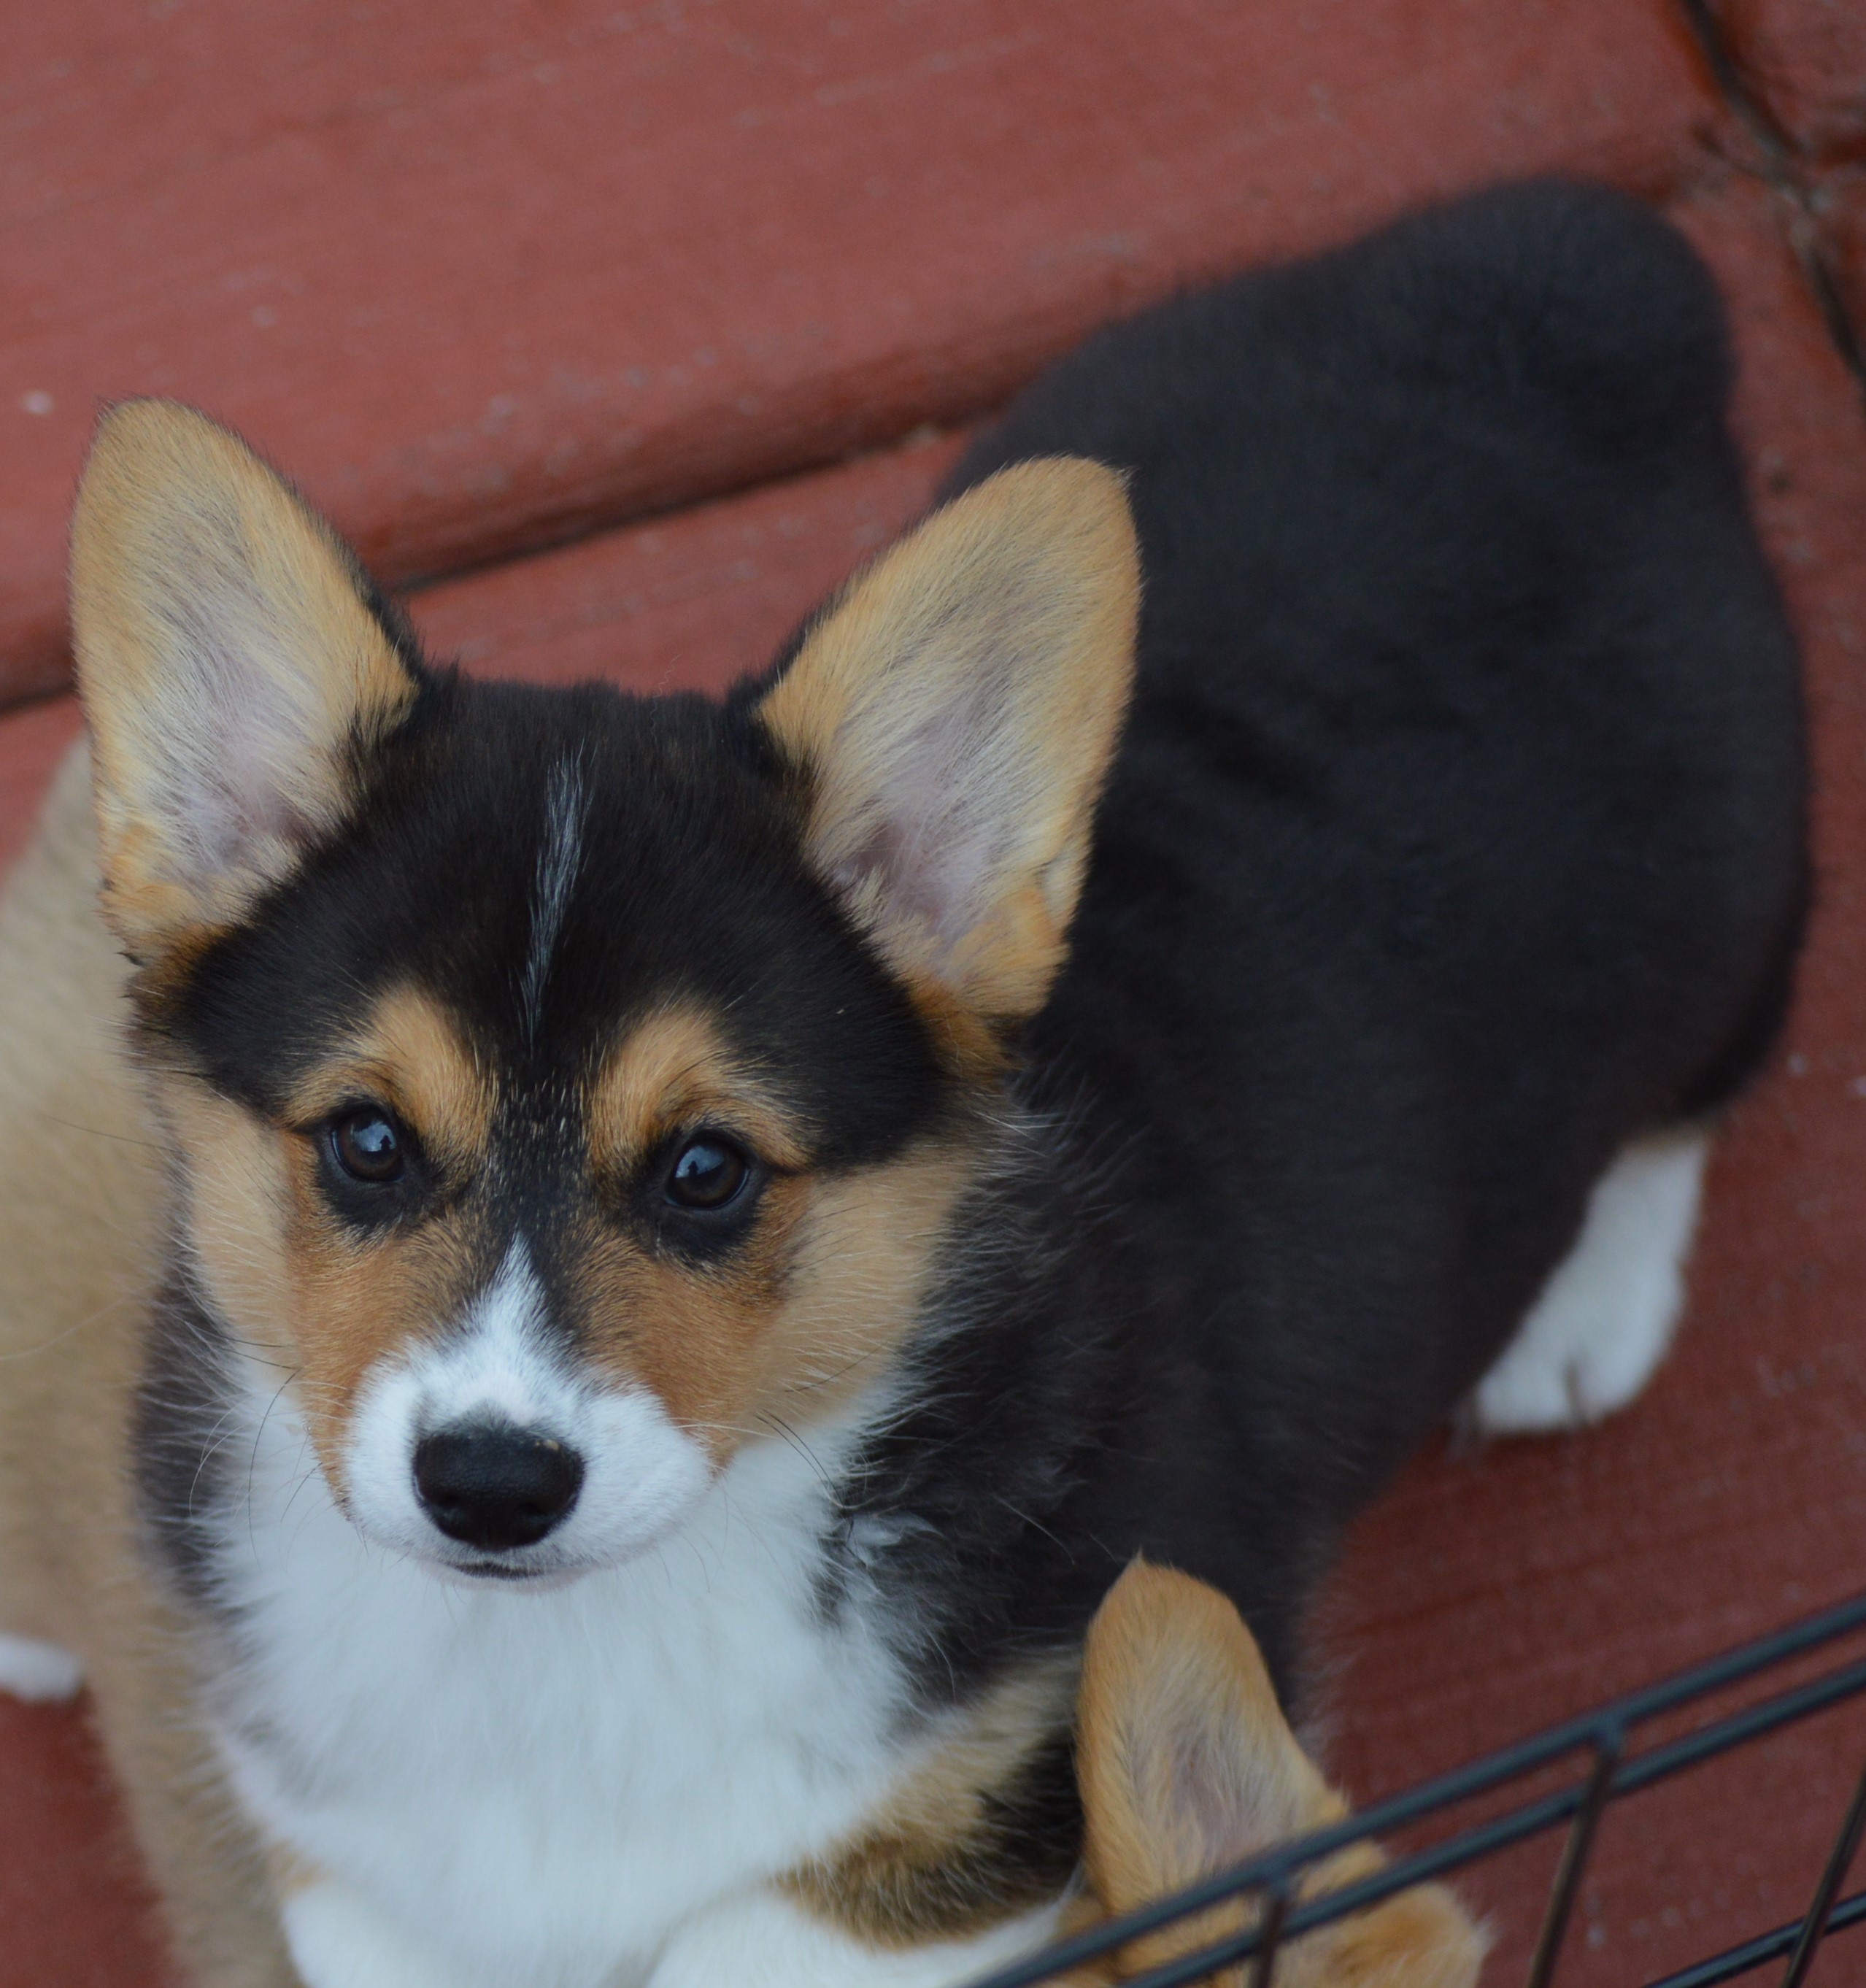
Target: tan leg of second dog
(80, 1190)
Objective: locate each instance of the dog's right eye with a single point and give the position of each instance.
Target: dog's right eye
(366, 1145)
(707, 1174)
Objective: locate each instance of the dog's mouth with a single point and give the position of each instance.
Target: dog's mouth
(487, 1570)
(543, 1578)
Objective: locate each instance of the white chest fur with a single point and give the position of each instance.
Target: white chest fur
(540, 1788)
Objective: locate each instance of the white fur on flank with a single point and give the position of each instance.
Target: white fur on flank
(535, 1786)
(37, 1672)
(1605, 1318)
(642, 1473)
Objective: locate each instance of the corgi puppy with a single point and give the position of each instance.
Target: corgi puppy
(1187, 1767)
(651, 1260)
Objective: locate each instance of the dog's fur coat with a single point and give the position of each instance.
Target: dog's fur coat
(1114, 1151)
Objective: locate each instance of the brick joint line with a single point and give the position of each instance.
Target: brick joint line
(1790, 173)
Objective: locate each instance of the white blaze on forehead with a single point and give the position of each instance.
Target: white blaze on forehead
(559, 855)
(497, 1365)
(642, 1472)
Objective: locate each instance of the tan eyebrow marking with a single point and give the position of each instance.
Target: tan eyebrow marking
(674, 1069)
(415, 1057)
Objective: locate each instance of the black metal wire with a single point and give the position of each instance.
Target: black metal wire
(1274, 1877)
(1269, 1937)
(1737, 1961)
(1594, 1798)
(1819, 1912)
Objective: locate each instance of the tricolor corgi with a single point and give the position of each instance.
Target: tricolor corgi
(653, 1259)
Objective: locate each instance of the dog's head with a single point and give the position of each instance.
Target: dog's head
(1187, 1768)
(570, 1087)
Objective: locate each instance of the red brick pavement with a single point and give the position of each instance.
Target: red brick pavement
(486, 275)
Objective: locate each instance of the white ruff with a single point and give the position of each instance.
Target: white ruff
(520, 1789)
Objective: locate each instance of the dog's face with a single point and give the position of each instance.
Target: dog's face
(568, 1089)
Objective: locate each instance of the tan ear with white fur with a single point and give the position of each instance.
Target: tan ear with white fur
(229, 665)
(1187, 1767)
(1186, 1763)
(954, 714)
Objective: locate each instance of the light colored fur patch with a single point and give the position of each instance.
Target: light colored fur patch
(37, 1672)
(643, 1475)
(673, 1071)
(953, 714)
(339, 1938)
(559, 856)
(765, 1940)
(80, 1223)
(1186, 1766)
(1605, 1319)
(541, 1789)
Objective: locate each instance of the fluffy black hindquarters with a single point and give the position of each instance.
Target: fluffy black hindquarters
(1457, 838)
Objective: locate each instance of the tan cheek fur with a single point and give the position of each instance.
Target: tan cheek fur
(308, 1296)
(804, 1311)
(821, 1291)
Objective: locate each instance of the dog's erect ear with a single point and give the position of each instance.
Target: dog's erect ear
(953, 714)
(1188, 1767)
(229, 664)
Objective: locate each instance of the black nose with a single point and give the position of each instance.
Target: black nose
(494, 1486)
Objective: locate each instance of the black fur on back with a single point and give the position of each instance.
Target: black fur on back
(1457, 838)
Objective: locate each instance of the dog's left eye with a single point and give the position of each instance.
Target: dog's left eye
(707, 1173)
(366, 1145)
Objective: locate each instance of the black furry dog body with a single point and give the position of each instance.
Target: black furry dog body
(778, 1202)
(1456, 840)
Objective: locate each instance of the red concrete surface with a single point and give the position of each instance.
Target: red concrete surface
(1841, 198)
(693, 602)
(486, 275)
(1806, 59)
